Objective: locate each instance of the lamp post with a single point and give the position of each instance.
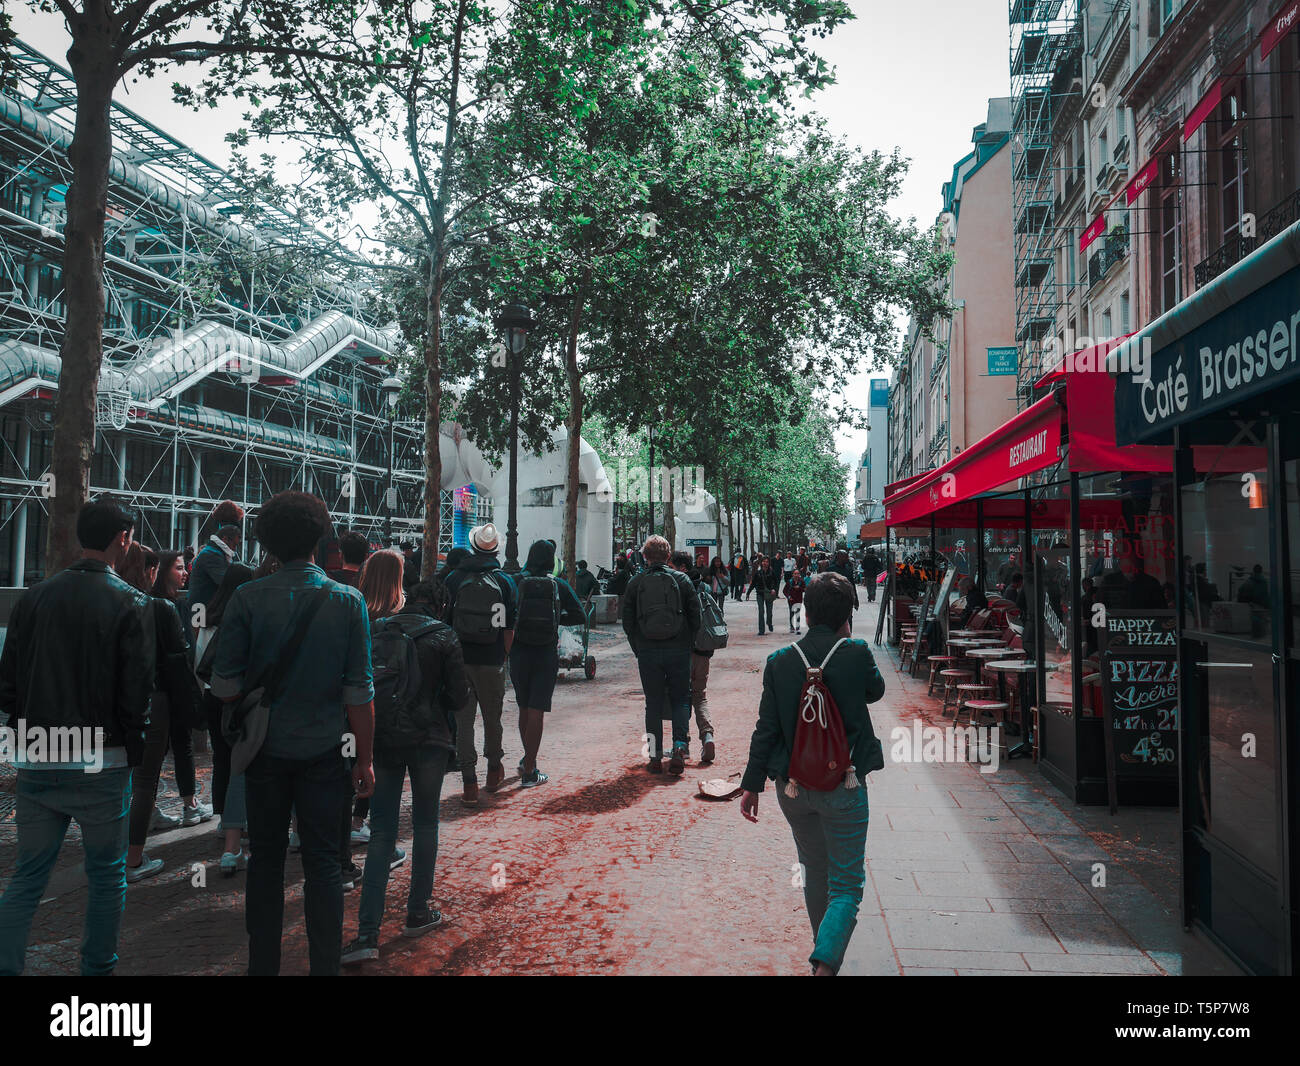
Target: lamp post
(392, 390)
(740, 532)
(514, 322)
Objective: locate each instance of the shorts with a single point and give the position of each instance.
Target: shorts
(533, 671)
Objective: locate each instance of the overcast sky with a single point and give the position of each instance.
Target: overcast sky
(916, 75)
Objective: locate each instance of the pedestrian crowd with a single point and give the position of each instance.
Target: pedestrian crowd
(321, 689)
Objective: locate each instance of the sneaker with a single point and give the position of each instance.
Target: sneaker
(362, 949)
(399, 857)
(295, 841)
(677, 764)
(362, 835)
(161, 822)
(195, 815)
(147, 868)
(707, 755)
(496, 775)
(232, 863)
(534, 779)
(420, 922)
(351, 875)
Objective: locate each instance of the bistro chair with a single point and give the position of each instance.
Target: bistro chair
(968, 691)
(951, 679)
(992, 710)
(937, 663)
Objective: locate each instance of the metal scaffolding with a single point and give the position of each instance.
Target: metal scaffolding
(1046, 87)
(226, 374)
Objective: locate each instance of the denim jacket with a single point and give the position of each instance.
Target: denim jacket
(333, 666)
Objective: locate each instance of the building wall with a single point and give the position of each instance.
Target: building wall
(983, 286)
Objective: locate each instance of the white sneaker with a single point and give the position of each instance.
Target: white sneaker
(195, 815)
(362, 835)
(161, 822)
(147, 868)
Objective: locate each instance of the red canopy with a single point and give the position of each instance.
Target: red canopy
(1028, 442)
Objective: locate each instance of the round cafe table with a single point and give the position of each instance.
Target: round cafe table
(1002, 667)
(983, 655)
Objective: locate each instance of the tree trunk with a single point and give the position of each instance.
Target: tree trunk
(93, 67)
(573, 424)
(731, 536)
(432, 419)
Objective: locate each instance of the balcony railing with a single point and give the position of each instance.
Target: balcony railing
(1113, 250)
(1118, 18)
(1238, 247)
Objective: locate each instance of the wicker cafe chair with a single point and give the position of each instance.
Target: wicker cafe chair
(937, 663)
(951, 679)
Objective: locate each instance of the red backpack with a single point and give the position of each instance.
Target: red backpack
(820, 757)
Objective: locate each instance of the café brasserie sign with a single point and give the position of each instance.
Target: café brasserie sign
(1248, 349)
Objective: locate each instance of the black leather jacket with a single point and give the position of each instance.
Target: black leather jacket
(442, 668)
(80, 652)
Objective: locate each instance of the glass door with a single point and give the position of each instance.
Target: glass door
(1230, 601)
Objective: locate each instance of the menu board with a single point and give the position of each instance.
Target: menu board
(1139, 684)
(886, 605)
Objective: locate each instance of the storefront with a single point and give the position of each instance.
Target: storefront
(1223, 388)
(1089, 526)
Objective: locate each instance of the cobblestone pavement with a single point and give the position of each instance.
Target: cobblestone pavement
(608, 870)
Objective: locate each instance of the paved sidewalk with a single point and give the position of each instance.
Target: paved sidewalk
(608, 870)
(975, 873)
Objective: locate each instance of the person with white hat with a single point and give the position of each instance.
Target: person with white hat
(483, 616)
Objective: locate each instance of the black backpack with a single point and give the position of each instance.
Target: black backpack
(401, 695)
(479, 612)
(659, 613)
(537, 615)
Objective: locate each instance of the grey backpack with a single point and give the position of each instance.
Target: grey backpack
(712, 634)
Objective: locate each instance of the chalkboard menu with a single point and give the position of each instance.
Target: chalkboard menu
(1139, 684)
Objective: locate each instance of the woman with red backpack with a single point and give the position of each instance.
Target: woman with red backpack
(815, 696)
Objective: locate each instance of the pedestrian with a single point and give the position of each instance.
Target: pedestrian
(167, 715)
(543, 603)
(794, 588)
(167, 587)
(78, 656)
(483, 616)
(355, 549)
(976, 601)
(380, 581)
(701, 661)
(766, 582)
(315, 696)
(228, 800)
(622, 575)
(829, 828)
(719, 583)
(661, 615)
(740, 578)
(420, 685)
(210, 564)
(871, 567)
(450, 563)
(585, 583)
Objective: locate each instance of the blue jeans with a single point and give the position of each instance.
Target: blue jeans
(47, 801)
(666, 681)
(318, 789)
(426, 767)
(830, 836)
(764, 612)
(235, 813)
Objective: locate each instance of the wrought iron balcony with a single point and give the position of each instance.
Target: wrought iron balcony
(1238, 247)
(1113, 250)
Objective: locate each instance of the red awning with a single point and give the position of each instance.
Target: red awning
(1028, 442)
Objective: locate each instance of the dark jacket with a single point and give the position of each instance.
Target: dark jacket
(765, 580)
(585, 583)
(209, 568)
(854, 681)
(484, 654)
(80, 652)
(442, 669)
(685, 639)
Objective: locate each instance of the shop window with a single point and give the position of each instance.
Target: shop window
(1168, 261)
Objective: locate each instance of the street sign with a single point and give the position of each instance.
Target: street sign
(1002, 360)
(702, 543)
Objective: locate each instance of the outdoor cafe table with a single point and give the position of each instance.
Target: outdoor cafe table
(1014, 666)
(982, 655)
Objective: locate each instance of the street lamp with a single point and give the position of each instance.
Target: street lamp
(514, 322)
(391, 387)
